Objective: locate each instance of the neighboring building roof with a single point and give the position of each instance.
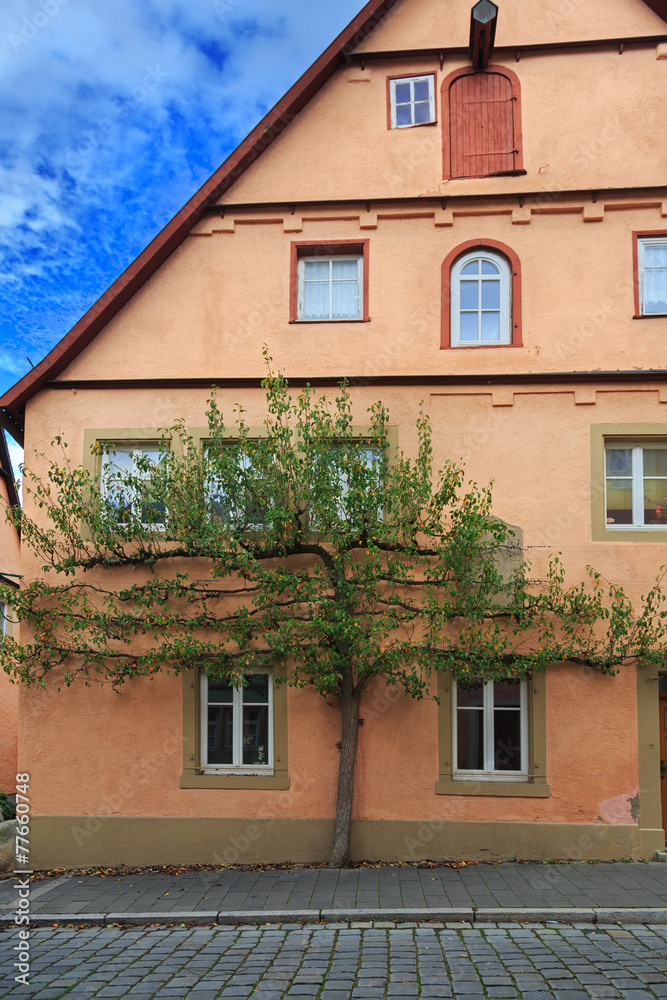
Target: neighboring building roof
(12, 403)
(6, 471)
(7, 474)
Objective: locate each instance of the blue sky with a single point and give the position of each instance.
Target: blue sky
(111, 116)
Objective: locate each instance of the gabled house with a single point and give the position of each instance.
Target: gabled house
(470, 211)
(10, 569)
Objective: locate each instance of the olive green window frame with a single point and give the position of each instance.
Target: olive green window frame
(534, 785)
(193, 769)
(632, 433)
(201, 435)
(141, 437)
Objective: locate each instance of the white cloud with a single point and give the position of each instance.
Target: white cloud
(111, 116)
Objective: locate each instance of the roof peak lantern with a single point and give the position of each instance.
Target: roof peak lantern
(483, 21)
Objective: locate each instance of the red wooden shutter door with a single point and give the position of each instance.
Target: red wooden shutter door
(481, 125)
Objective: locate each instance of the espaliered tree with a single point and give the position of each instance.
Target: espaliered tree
(314, 545)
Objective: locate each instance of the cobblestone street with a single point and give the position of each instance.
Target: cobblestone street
(334, 962)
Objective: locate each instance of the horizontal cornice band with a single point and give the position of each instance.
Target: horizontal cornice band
(326, 381)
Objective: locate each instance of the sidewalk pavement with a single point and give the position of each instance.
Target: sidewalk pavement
(509, 892)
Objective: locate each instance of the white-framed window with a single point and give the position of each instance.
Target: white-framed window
(4, 620)
(247, 509)
(481, 305)
(636, 485)
(237, 725)
(126, 500)
(412, 101)
(490, 730)
(370, 458)
(331, 287)
(652, 259)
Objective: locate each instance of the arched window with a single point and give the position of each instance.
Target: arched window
(481, 296)
(481, 299)
(482, 130)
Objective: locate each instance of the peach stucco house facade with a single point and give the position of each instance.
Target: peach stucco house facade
(485, 231)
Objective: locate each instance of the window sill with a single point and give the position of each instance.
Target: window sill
(651, 316)
(518, 789)
(657, 534)
(481, 177)
(278, 782)
(402, 128)
(476, 347)
(305, 322)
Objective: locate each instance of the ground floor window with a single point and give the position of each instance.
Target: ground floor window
(237, 728)
(492, 737)
(490, 724)
(235, 736)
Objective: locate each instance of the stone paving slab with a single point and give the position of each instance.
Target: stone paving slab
(334, 962)
(618, 885)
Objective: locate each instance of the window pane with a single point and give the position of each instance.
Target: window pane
(489, 268)
(402, 93)
(619, 461)
(655, 495)
(470, 739)
(256, 689)
(345, 270)
(655, 255)
(507, 740)
(220, 506)
(118, 464)
(655, 290)
(220, 734)
(220, 693)
(491, 326)
(471, 697)
(256, 735)
(490, 295)
(153, 513)
(471, 268)
(404, 114)
(470, 295)
(507, 694)
(655, 461)
(469, 327)
(422, 89)
(345, 300)
(316, 300)
(619, 501)
(316, 270)
(422, 113)
(119, 461)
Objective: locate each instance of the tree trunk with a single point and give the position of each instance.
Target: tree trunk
(340, 853)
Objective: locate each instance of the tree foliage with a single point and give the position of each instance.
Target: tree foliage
(313, 545)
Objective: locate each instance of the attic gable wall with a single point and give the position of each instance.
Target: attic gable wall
(580, 125)
(417, 24)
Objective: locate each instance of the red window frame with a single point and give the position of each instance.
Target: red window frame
(637, 235)
(411, 76)
(329, 248)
